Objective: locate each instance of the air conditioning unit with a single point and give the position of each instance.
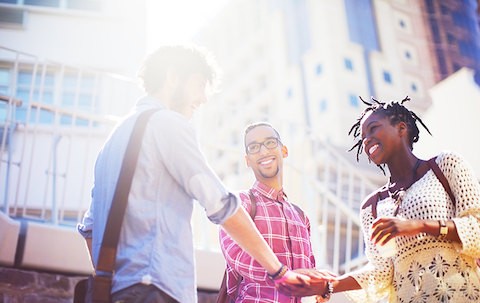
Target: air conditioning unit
(13, 18)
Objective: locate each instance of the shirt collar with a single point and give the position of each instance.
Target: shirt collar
(269, 192)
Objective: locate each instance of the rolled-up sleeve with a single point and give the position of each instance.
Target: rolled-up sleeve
(179, 149)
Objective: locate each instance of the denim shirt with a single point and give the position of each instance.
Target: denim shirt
(156, 241)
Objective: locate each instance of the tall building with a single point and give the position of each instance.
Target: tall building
(302, 66)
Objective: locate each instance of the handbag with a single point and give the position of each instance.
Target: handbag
(223, 296)
(98, 286)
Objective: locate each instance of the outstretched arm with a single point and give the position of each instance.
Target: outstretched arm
(241, 228)
(318, 284)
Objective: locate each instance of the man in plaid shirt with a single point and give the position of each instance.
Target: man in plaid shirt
(286, 230)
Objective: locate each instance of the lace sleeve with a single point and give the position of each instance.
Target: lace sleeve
(466, 190)
(376, 277)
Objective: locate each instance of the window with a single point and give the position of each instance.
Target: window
(41, 94)
(401, 23)
(387, 77)
(353, 100)
(319, 69)
(86, 5)
(348, 64)
(323, 106)
(408, 55)
(85, 86)
(289, 93)
(414, 87)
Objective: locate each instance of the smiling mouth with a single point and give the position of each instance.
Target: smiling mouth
(373, 149)
(266, 162)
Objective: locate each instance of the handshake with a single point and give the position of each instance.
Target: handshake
(307, 282)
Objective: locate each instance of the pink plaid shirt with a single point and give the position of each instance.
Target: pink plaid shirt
(285, 232)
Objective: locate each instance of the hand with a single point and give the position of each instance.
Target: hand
(314, 288)
(317, 275)
(394, 227)
(296, 278)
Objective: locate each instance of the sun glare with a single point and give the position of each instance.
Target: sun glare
(170, 22)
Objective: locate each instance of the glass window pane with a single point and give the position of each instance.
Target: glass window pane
(70, 81)
(4, 76)
(89, 5)
(50, 3)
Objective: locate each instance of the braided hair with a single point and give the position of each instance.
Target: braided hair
(396, 112)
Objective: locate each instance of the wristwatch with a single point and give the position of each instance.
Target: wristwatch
(326, 296)
(443, 229)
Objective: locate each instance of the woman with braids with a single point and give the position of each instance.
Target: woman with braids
(435, 225)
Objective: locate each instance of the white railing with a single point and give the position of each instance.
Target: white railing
(46, 166)
(56, 117)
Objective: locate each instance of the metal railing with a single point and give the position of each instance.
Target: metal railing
(50, 140)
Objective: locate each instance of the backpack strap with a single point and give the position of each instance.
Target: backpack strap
(441, 177)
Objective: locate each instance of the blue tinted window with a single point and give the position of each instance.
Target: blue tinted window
(353, 100)
(407, 55)
(361, 23)
(323, 106)
(25, 78)
(466, 49)
(319, 69)
(451, 39)
(289, 93)
(402, 24)
(460, 19)
(430, 7)
(435, 30)
(387, 77)
(50, 3)
(348, 64)
(414, 87)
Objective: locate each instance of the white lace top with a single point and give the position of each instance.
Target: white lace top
(425, 268)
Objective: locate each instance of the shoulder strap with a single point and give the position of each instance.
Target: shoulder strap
(253, 204)
(373, 200)
(108, 250)
(441, 177)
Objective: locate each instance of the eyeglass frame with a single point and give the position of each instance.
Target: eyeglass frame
(263, 143)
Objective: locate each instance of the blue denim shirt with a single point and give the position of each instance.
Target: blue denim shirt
(156, 241)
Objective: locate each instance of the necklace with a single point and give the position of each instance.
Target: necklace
(400, 193)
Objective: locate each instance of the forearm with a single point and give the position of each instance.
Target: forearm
(241, 228)
(345, 283)
(432, 227)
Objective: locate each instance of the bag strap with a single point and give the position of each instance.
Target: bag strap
(108, 250)
(441, 177)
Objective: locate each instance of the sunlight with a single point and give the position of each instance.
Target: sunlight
(170, 22)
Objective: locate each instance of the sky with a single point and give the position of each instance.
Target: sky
(176, 21)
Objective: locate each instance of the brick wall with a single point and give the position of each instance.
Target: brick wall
(18, 286)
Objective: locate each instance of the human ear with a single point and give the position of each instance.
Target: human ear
(247, 161)
(284, 151)
(402, 128)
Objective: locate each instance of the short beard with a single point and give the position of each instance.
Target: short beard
(267, 176)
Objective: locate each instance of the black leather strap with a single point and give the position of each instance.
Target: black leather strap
(108, 250)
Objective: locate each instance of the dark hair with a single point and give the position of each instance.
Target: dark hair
(187, 59)
(252, 126)
(396, 112)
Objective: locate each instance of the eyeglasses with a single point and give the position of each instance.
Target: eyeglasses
(269, 143)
